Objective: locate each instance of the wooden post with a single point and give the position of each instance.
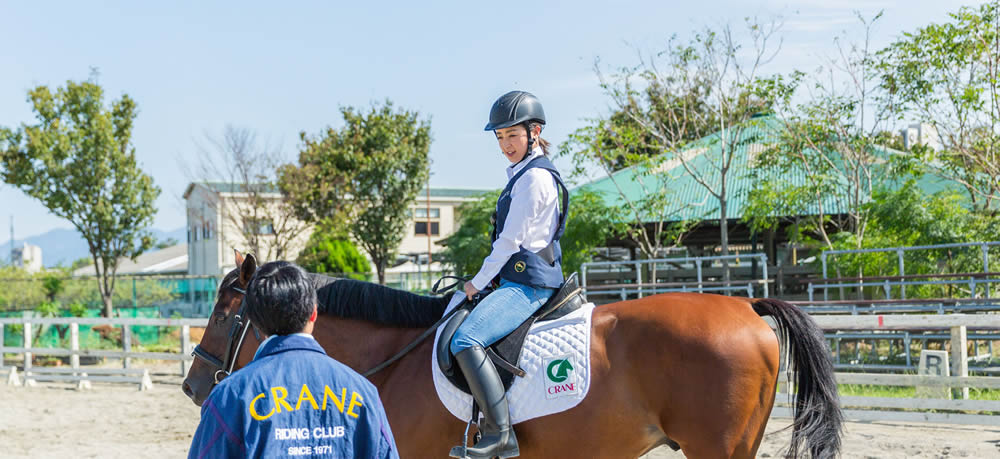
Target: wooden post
(185, 349)
(74, 345)
(27, 345)
(960, 358)
(126, 343)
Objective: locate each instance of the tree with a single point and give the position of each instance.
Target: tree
(330, 251)
(907, 216)
(589, 224)
(948, 75)
(262, 216)
(80, 263)
(164, 243)
(673, 102)
(79, 161)
(466, 248)
(368, 171)
(833, 143)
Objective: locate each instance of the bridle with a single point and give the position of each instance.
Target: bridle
(240, 326)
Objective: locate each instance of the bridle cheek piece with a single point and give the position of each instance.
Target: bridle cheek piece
(240, 326)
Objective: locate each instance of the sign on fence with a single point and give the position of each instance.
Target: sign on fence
(933, 363)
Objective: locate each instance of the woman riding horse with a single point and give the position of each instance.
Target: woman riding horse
(526, 259)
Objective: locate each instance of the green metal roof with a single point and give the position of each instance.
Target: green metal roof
(454, 193)
(690, 200)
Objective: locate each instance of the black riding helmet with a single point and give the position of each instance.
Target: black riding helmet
(514, 108)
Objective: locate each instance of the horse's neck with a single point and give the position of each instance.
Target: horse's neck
(359, 344)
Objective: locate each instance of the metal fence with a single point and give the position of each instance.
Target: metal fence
(901, 280)
(702, 274)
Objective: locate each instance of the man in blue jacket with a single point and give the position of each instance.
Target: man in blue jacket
(292, 400)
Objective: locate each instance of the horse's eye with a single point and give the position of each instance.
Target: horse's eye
(220, 318)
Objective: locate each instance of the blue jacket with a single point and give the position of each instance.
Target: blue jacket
(293, 400)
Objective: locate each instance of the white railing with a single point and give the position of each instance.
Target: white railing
(882, 408)
(74, 352)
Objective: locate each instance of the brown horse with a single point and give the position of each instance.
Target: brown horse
(692, 370)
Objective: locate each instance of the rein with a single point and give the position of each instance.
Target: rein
(426, 333)
(225, 367)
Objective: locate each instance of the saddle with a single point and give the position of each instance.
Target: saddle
(508, 349)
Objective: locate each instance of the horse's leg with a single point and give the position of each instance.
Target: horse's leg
(708, 371)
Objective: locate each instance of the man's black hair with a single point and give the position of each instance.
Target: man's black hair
(280, 298)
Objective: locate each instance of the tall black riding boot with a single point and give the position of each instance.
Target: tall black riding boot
(497, 435)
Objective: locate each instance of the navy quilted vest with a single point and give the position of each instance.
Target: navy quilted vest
(542, 269)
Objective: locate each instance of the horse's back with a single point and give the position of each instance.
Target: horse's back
(688, 321)
(706, 361)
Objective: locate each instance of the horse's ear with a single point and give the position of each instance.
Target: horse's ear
(247, 269)
(239, 257)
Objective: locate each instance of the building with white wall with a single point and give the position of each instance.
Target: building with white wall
(28, 257)
(218, 218)
(921, 134)
(214, 215)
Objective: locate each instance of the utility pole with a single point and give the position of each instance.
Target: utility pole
(430, 259)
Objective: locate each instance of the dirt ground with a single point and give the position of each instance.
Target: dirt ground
(116, 420)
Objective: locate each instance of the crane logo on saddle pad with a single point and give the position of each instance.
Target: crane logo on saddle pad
(560, 379)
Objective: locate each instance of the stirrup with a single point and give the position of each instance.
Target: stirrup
(462, 451)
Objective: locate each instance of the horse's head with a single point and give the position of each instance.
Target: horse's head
(228, 343)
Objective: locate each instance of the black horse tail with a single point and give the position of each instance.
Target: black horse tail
(818, 420)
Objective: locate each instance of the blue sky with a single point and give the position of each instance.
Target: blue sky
(282, 68)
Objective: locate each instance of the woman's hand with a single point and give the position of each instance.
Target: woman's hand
(470, 290)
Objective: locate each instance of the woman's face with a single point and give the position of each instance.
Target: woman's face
(514, 142)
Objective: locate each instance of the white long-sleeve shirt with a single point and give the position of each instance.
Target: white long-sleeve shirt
(531, 222)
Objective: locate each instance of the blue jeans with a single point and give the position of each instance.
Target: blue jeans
(499, 314)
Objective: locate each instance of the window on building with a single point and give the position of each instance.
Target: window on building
(420, 228)
(421, 212)
(206, 231)
(259, 226)
(193, 234)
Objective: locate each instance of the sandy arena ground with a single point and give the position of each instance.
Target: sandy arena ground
(115, 420)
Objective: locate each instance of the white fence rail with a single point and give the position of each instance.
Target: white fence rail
(960, 410)
(74, 351)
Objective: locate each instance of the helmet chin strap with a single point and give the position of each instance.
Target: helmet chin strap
(531, 141)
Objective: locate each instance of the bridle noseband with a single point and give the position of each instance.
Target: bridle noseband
(225, 367)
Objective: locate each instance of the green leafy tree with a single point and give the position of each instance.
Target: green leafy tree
(168, 242)
(368, 171)
(589, 224)
(833, 141)
(330, 251)
(706, 85)
(906, 216)
(948, 76)
(80, 263)
(467, 247)
(78, 160)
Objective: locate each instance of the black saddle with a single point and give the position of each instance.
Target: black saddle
(508, 349)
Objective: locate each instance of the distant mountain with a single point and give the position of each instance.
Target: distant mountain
(63, 246)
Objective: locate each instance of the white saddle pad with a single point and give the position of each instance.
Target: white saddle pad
(556, 358)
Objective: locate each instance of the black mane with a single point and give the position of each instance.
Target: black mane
(353, 299)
